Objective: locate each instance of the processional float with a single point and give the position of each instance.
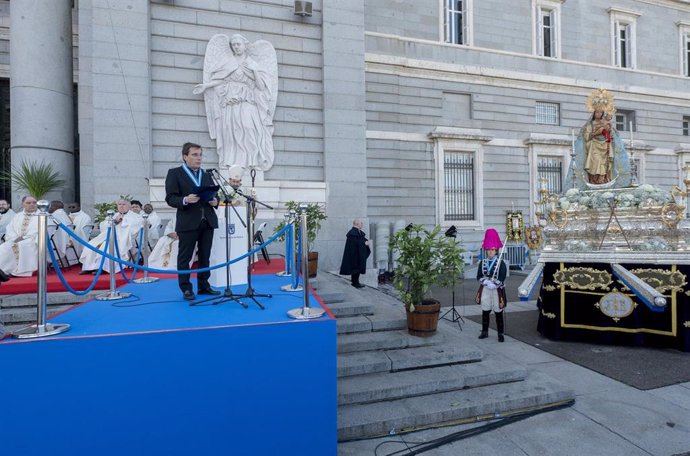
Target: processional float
(615, 253)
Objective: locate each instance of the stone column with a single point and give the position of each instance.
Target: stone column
(41, 88)
(344, 99)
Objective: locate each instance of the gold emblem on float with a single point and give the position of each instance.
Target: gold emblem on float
(616, 305)
(581, 278)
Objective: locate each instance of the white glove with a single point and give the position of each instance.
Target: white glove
(490, 284)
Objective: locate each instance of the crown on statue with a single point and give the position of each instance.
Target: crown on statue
(601, 100)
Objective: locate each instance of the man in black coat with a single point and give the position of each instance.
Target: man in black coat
(196, 219)
(355, 254)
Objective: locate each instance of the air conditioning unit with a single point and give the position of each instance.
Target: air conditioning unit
(302, 8)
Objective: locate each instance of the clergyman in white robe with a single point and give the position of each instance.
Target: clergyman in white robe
(164, 254)
(80, 220)
(5, 219)
(60, 236)
(19, 252)
(154, 224)
(127, 229)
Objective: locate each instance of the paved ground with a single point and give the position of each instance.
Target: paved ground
(608, 417)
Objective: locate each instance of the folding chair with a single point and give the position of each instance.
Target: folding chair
(52, 230)
(70, 245)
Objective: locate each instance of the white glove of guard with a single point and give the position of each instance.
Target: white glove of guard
(488, 283)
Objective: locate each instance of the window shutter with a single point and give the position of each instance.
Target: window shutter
(540, 31)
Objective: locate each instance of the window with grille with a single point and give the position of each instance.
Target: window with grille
(551, 169)
(548, 113)
(458, 169)
(686, 125)
(624, 118)
(457, 21)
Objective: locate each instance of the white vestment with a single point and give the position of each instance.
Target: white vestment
(80, 219)
(5, 220)
(127, 232)
(20, 258)
(164, 255)
(154, 227)
(60, 236)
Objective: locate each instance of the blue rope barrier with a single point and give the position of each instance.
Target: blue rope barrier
(67, 286)
(167, 271)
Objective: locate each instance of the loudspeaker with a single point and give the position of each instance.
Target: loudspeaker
(302, 8)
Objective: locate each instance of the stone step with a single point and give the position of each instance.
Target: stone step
(377, 322)
(484, 402)
(331, 296)
(396, 385)
(350, 325)
(371, 362)
(18, 317)
(350, 309)
(382, 340)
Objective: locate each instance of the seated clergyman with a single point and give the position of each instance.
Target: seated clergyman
(127, 226)
(18, 254)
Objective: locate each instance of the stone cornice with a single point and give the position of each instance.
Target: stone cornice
(548, 139)
(467, 134)
(683, 148)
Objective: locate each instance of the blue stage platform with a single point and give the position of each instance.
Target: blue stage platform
(151, 375)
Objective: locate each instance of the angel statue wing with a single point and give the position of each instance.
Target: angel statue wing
(217, 52)
(263, 53)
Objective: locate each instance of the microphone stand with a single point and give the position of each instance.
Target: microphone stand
(251, 205)
(228, 295)
(455, 316)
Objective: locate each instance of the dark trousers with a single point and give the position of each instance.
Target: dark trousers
(355, 279)
(486, 315)
(202, 238)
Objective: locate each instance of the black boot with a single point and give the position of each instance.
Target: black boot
(499, 326)
(485, 324)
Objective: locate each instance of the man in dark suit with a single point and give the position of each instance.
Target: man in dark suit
(196, 219)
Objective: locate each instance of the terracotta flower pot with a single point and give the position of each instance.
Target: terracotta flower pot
(424, 320)
(313, 263)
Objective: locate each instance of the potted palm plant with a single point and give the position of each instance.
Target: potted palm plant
(427, 257)
(37, 178)
(315, 215)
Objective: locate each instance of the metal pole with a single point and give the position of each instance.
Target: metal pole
(288, 258)
(113, 294)
(305, 312)
(294, 283)
(146, 253)
(41, 328)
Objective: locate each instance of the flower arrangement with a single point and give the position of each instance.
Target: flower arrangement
(643, 196)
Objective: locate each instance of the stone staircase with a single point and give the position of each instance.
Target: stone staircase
(389, 381)
(17, 311)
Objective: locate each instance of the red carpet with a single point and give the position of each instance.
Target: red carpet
(22, 285)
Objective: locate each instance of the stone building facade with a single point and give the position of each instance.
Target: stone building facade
(433, 111)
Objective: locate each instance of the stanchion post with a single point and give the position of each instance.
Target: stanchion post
(306, 312)
(294, 283)
(146, 253)
(41, 328)
(113, 294)
(288, 246)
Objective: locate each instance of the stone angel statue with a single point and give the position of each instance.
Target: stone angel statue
(240, 90)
